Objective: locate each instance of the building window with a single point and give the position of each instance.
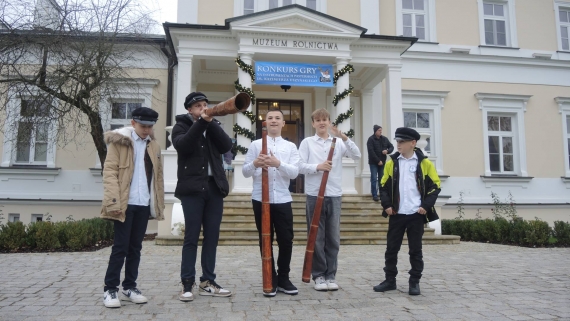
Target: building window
(498, 23)
(37, 217)
(501, 137)
(564, 109)
(416, 18)
(248, 6)
(504, 133)
(13, 217)
(422, 111)
(568, 142)
(563, 24)
(122, 113)
(420, 121)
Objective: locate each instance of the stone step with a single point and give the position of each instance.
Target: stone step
(302, 205)
(301, 232)
(226, 223)
(303, 197)
(173, 240)
(302, 212)
(301, 217)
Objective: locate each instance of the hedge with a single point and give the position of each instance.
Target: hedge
(516, 231)
(49, 236)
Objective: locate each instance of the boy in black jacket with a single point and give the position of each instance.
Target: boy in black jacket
(202, 186)
(408, 192)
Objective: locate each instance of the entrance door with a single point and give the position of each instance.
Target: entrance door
(293, 130)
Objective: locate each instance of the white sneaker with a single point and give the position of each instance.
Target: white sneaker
(211, 288)
(135, 296)
(186, 294)
(321, 284)
(111, 300)
(331, 285)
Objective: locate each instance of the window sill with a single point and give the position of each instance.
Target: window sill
(428, 42)
(443, 178)
(96, 171)
(499, 47)
(28, 172)
(563, 51)
(506, 180)
(566, 181)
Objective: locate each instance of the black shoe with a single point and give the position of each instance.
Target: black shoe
(285, 286)
(386, 285)
(271, 294)
(414, 289)
(376, 199)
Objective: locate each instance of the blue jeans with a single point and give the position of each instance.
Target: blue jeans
(201, 210)
(376, 173)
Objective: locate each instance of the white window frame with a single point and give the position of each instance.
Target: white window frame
(10, 136)
(127, 121)
(510, 25)
(564, 110)
(13, 216)
(506, 105)
(34, 217)
(430, 23)
(502, 134)
(431, 102)
(126, 93)
(262, 5)
(565, 5)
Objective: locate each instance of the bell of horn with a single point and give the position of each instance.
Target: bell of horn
(236, 104)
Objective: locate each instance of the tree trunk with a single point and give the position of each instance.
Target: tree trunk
(97, 134)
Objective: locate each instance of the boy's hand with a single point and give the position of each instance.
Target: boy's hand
(259, 161)
(422, 211)
(325, 167)
(380, 163)
(338, 133)
(385, 152)
(390, 211)
(206, 117)
(272, 161)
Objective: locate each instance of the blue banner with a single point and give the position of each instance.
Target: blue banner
(293, 74)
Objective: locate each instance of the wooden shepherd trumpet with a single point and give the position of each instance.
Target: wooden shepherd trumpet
(234, 105)
(314, 229)
(266, 260)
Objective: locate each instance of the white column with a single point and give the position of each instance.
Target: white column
(348, 165)
(183, 84)
(367, 130)
(240, 183)
(394, 100)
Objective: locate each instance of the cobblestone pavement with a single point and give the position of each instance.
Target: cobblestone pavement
(469, 281)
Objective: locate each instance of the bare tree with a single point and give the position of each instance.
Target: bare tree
(62, 61)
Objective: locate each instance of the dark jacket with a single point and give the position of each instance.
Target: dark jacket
(375, 147)
(427, 180)
(195, 152)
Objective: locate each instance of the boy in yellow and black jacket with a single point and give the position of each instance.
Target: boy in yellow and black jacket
(408, 192)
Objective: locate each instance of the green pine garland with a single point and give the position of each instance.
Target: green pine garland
(342, 95)
(350, 133)
(249, 115)
(244, 131)
(245, 67)
(344, 116)
(243, 89)
(240, 148)
(348, 68)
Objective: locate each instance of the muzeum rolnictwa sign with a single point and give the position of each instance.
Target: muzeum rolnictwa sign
(264, 42)
(293, 74)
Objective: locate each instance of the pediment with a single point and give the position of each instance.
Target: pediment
(294, 17)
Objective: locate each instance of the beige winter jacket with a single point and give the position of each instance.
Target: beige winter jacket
(118, 174)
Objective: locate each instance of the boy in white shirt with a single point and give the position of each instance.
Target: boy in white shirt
(313, 154)
(281, 163)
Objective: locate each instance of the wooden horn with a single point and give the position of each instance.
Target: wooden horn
(266, 260)
(311, 239)
(236, 104)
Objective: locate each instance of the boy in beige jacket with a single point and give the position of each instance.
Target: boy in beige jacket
(133, 193)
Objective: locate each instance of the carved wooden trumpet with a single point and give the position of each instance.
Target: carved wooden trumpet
(266, 260)
(236, 104)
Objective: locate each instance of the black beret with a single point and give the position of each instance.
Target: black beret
(145, 116)
(405, 133)
(194, 97)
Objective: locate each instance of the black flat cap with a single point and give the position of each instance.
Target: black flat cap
(194, 97)
(405, 133)
(145, 116)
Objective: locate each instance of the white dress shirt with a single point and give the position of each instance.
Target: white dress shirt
(139, 193)
(279, 178)
(314, 151)
(410, 198)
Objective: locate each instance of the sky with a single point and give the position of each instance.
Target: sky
(164, 10)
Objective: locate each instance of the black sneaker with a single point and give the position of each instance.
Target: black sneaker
(375, 198)
(285, 286)
(271, 294)
(386, 285)
(414, 288)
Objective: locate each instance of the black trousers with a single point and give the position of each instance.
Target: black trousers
(282, 225)
(201, 210)
(413, 225)
(127, 244)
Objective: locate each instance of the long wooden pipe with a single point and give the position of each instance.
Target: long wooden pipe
(236, 104)
(312, 238)
(266, 260)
